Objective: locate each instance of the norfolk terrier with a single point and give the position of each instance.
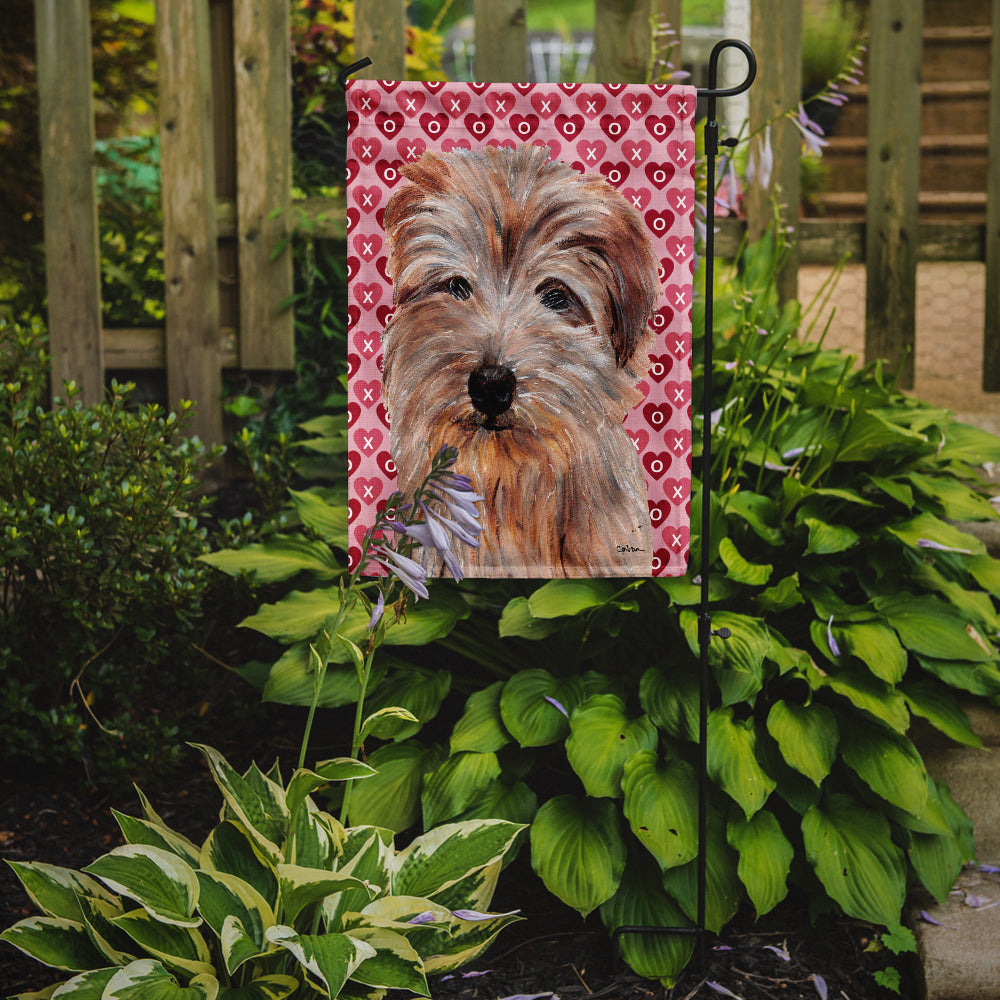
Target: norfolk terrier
(522, 294)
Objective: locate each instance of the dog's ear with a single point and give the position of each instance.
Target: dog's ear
(427, 176)
(633, 280)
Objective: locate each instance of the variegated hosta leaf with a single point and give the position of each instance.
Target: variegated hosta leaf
(642, 902)
(315, 838)
(158, 880)
(230, 849)
(578, 851)
(475, 891)
(850, 847)
(54, 941)
(732, 760)
(328, 959)
(116, 946)
(149, 980)
(275, 987)
(661, 799)
(367, 853)
(141, 831)
(395, 964)
(304, 782)
(441, 857)
(481, 727)
(56, 891)
(87, 986)
(602, 737)
(177, 947)
(765, 858)
(256, 801)
(466, 941)
(807, 736)
(226, 898)
(300, 887)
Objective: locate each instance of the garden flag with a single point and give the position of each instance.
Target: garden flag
(520, 260)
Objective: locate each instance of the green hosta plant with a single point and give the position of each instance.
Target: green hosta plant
(279, 900)
(855, 602)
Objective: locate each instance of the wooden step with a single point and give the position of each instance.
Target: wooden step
(956, 53)
(957, 206)
(947, 163)
(945, 105)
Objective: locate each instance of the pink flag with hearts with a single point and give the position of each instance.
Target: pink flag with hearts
(520, 259)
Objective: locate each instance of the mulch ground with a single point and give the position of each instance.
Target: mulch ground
(552, 952)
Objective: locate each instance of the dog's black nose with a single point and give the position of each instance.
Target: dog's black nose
(491, 389)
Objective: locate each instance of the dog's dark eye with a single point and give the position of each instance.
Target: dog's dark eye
(459, 288)
(555, 296)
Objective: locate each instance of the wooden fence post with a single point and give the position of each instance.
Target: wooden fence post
(501, 41)
(190, 251)
(72, 255)
(776, 34)
(622, 40)
(262, 61)
(893, 183)
(380, 34)
(991, 331)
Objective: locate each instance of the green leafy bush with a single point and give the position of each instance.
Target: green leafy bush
(280, 899)
(855, 602)
(101, 584)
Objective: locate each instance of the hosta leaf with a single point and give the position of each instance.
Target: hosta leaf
(279, 558)
(723, 889)
(888, 763)
(275, 987)
(465, 941)
(738, 661)
(481, 728)
(758, 511)
(928, 528)
(260, 809)
(141, 831)
(441, 857)
(180, 948)
(976, 678)
(159, 881)
(739, 569)
(870, 436)
(516, 803)
(225, 897)
(559, 598)
(671, 700)
(937, 860)
(291, 680)
(415, 689)
(578, 851)
(958, 502)
(866, 692)
(783, 595)
(301, 887)
(330, 959)
(56, 891)
(941, 709)
(395, 964)
(456, 784)
(641, 901)
(230, 849)
(732, 760)
(602, 738)
(661, 798)
(931, 628)
(876, 646)
(517, 620)
(87, 986)
(327, 520)
(850, 848)
(530, 706)
(391, 798)
(765, 858)
(828, 539)
(147, 979)
(54, 941)
(986, 571)
(965, 443)
(366, 855)
(304, 782)
(807, 736)
(976, 605)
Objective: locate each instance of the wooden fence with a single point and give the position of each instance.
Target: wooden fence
(226, 160)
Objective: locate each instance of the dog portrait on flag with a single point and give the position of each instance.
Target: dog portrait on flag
(530, 309)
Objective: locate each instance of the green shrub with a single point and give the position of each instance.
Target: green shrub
(279, 900)
(101, 584)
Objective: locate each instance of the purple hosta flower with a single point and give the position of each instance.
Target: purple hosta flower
(377, 612)
(427, 917)
(409, 572)
(719, 988)
(812, 134)
(760, 166)
(780, 952)
(820, 984)
(834, 648)
(557, 704)
(989, 869)
(727, 200)
(927, 543)
(475, 915)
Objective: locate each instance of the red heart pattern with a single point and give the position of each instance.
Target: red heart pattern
(641, 140)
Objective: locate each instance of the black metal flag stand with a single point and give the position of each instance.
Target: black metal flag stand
(705, 631)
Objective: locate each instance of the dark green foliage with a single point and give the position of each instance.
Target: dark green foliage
(99, 540)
